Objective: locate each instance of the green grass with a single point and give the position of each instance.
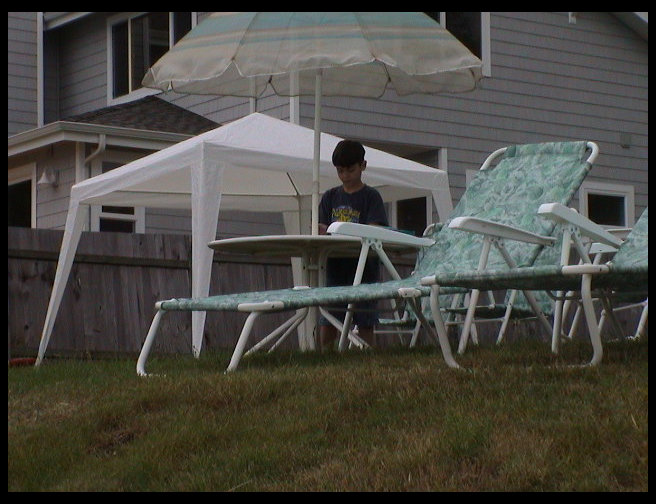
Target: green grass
(395, 420)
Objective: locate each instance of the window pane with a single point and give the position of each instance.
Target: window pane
(19, 204)
(181, 25)
(109, 166)
(149, 40)
(118, 210)
(466, 27)
(120, 58)
(606, 210)
(120, 226)
(411, 215)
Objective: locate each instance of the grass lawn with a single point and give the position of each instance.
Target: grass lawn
(392, 420)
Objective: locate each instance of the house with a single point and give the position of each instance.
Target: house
(76, 109)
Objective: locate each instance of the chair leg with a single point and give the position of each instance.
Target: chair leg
(346, 327)
(538, 313)
(352, 337)
(297, 319)
(415, 334)
(287, 327)
(241, 342)
(591, 319)
(506, 317)
(607, 308)
(643, 321)
(440, 328)
(469, 318)
(575, 323)
(421, 320)
(148, 343)
(557, 323)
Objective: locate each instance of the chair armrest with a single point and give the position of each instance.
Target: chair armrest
(562, 214)
(377, 233)
(495, 229)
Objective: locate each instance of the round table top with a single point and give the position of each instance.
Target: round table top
(294, 245)
(283, 244)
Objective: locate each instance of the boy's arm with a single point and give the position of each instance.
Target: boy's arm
(324, 218)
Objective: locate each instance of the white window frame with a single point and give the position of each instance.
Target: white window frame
(626, 191)
(485, 42)
(141, 92)
(139, 215)
(24, 173)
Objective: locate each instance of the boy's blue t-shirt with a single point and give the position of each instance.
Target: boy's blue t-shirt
(364, 206)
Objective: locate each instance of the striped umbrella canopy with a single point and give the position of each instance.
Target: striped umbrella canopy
(316, 53)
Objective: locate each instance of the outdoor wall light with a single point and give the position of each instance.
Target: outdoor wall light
(50, 178)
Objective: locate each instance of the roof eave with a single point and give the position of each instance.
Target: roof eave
(62, 131)
(637, 21)
(52, 20)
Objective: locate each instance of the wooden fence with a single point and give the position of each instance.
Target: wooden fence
(116, 279)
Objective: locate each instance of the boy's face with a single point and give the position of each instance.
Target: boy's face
(352, 173)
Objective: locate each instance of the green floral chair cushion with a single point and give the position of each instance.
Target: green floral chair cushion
(628, 270)
(509, 193)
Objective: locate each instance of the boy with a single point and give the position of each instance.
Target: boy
(353, 201)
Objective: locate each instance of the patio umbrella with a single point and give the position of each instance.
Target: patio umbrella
(357, 54)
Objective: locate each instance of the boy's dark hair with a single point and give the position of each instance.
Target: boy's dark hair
(348, 152)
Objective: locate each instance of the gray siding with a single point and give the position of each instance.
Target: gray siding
(52, 202)
(232, 223)
(225, 109)
(51, 76)
(21, 72)
(551, 80)
(82, 66)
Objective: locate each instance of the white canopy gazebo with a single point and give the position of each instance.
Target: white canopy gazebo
(255, 163)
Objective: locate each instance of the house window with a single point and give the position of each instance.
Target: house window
(137, 42)
(606, 209)
(470, 28)
(411, 215)
(21, 197)
(114, 218)
(19, 204)
(610, 205)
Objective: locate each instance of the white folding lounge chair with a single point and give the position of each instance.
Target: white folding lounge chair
(627, 272)
(532, 174)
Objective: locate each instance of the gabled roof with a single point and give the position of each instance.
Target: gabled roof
(637, 21)
(149, 113)
(147, 123)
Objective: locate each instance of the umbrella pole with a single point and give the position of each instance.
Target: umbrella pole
(317, 152)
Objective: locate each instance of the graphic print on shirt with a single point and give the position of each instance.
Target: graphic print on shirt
(345, 214)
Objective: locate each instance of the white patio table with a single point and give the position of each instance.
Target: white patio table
(314, 250)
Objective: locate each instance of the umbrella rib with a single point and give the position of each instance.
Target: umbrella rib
(389, 79)
(298, 193)
(234, 56)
